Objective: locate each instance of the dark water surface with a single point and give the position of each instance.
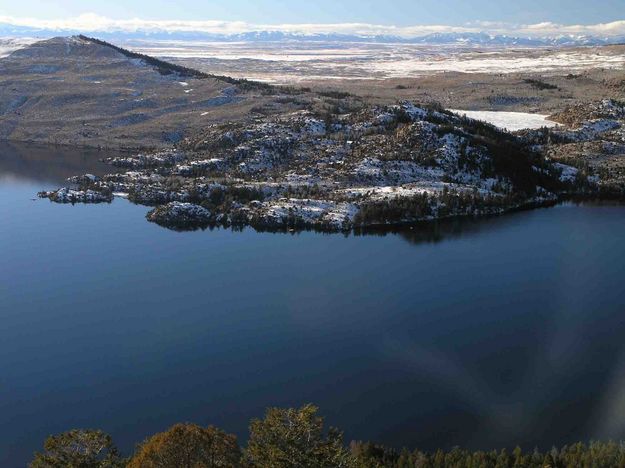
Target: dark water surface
(482, 334)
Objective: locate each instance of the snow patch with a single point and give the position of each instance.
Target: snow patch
(511, 121)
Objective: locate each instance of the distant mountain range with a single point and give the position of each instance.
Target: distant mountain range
(462, 38)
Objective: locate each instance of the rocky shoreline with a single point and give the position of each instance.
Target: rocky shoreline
(338, 172)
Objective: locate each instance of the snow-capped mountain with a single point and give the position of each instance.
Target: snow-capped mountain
(448, 38)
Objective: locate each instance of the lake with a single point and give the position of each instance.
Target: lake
(483, 334)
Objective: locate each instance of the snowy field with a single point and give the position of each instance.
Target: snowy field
(275, 61)
(510, 121)
(498, 62)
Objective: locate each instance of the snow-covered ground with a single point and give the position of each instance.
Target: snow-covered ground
(497, 62)
(509, 120)
(275, 61)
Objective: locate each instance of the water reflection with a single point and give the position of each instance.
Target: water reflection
(47, 164)
(433, 232)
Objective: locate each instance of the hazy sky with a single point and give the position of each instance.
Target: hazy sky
(395, 12)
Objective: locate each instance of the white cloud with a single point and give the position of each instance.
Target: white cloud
(90, 22)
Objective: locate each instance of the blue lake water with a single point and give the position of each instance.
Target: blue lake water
(483, 334)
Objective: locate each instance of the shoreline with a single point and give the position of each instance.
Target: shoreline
(388, 228)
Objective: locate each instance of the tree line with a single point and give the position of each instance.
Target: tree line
(296, 438)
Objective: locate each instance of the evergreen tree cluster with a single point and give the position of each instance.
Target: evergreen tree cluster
(422, 206)
(579, 455)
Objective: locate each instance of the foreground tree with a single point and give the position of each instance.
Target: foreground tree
(78, 448)
(288, 438)
(188, 446)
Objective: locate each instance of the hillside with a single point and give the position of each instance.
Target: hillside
(79, 91)
(219, 151)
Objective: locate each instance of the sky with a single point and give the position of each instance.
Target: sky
(484, 14)
(396, 12)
